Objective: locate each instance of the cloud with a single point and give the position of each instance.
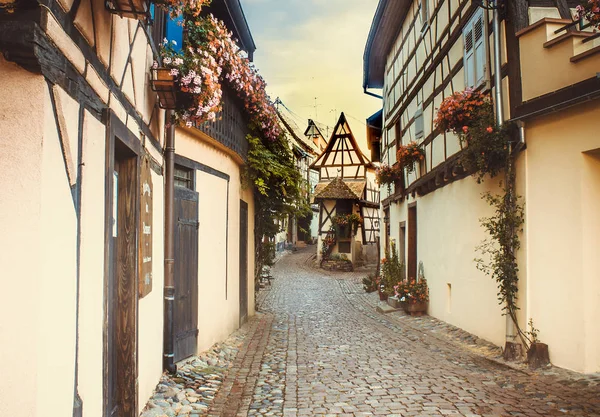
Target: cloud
(314, 48)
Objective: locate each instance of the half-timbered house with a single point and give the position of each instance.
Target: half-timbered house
(421, 51)
(305, 148)
(85, 207)
(347, 186)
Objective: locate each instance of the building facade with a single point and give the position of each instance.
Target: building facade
(346, 187)
(84, 170)
(419, 52)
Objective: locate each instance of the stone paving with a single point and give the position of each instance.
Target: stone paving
(319, 348)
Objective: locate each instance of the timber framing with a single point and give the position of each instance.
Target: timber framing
(23, 40)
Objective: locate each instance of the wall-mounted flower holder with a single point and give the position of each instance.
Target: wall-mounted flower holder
(163, 83)
(132, 9)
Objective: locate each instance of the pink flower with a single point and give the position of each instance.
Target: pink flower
(465, 129)
(489, 129)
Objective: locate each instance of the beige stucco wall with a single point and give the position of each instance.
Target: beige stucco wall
(563, 181)
(545, 70)
(447, 235)
(91, 306)
(37, 242)
(218, 294)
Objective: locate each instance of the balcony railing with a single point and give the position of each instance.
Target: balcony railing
(231, 126)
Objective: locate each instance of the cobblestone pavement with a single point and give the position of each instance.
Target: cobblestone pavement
(319, 348)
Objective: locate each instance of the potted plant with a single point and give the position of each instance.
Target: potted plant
(414, 295)
(392, 270)
(409, 155)
(537, 354)
(590, 11)
(327, 246)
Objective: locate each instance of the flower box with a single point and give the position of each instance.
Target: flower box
(416, 309)
(133, 9)
(163, 83)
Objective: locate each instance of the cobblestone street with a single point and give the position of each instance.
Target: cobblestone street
(318, 347)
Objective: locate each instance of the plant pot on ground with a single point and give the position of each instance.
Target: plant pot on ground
(537, 355)
(416, 309)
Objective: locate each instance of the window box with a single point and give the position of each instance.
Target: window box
(163, 83)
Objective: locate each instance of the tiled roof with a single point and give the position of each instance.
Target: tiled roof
(338, 189)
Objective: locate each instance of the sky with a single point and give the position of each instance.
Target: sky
(309, 49)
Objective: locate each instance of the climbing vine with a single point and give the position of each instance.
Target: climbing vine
(486, 153)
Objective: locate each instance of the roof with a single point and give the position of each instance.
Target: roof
(338, 189)
(340, 132)
(291, 126)
(376, 120)
(385, 28)
(231, 12)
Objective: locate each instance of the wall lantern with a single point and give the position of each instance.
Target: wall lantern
(133, 9)
(163, 83)
(386, 219)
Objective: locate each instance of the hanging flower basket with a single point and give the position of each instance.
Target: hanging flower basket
(387, 174)
(458, 112)
(589, 10)
(409, 155)
(132, 9)
(346, 223)
(163, 83)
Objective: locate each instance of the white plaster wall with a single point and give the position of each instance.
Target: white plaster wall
(22, 96)
(448, 230)
(218, 308)
(562, 228)
(91, 305)
(151, 318)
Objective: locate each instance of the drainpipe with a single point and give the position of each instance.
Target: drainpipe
(510, 325)
(169, 287)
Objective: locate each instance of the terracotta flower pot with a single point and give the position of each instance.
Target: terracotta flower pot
(383, 296)
(416, 309)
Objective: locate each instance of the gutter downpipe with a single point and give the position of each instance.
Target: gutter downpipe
(510, 337)
(169, 286)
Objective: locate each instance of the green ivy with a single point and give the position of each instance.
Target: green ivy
(278, 192)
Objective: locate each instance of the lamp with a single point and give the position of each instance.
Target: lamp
(386, 219)
(163, 83)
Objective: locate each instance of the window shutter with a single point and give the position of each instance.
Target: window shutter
(479, 48)
(419, 123)
(469, 55)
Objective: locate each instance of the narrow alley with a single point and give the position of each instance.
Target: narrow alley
(320, 348)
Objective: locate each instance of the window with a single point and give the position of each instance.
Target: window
(344, 247)
(475, 50)
(183, 177)
(343, 207)
(419, 123)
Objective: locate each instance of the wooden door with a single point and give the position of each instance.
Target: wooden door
(185, 317)
(121, 313)
(243, 262)
(412, 242)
